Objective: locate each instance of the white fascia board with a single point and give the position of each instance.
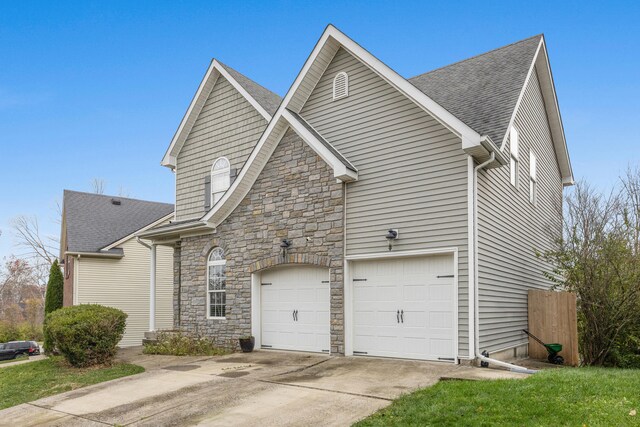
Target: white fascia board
(135, 233)
(541, 59)
(94, 254)
(242, 90)
(169, 158)
(340, 170)
(469, 136)
(215, 70)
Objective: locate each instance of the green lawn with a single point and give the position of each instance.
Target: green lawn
(571, 397)
(34, 380)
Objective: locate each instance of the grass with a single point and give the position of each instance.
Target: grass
(570, 397)
(42, 378)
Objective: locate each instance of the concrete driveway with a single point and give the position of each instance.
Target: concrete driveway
(266, 388)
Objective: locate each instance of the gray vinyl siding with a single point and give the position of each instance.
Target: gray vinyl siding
(412, 172)
(510, 228)
(228, 126)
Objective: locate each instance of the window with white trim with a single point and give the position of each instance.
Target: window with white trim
(340, 85)
(216, 284)
(220, 179)
(513, 148)
(533, 179)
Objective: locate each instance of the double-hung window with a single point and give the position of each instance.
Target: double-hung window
(513, 148)
(216, 284)
(533, 179)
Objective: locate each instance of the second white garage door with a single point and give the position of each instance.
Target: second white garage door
(405, 308)
(295, 308)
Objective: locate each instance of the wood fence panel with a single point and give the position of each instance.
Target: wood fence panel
(553, 319)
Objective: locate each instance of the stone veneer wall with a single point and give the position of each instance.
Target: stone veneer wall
(295, 197)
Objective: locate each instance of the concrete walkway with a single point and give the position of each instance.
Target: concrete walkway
(266, 388)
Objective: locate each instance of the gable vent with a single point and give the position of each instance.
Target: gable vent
(340, 85)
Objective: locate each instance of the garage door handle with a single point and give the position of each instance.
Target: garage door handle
(398, 316)
(402, 316)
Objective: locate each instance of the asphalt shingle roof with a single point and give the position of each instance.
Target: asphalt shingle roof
(94, 222)
(267, 99)
(482, 91)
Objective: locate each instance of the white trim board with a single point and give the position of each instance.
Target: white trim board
(261, 154)
(540, 65)
(135, 233)
(215, 70)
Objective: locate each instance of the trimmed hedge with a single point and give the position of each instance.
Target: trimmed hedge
(86, 334)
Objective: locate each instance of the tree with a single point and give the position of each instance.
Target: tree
(41, 250)
(98, 185)
(598, 258)
(55, 287)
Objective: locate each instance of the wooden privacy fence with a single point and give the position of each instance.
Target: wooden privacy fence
(553, 319)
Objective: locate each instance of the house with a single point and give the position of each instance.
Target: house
(367, 213)
(105, 263)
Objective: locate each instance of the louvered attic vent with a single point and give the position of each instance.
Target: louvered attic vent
(340, 85)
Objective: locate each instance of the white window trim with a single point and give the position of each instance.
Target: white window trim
(210, 264)
(514, 160)
(533, 178)
(346, 86)
(218, 173)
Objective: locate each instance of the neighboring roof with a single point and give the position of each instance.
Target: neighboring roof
(483, 91)
(263, 100)
(269, 100)
(93, 221)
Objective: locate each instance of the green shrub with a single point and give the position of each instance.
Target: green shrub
(20, 332)
(9, 332)
(177, 343)
(86, 334)
(55, 288)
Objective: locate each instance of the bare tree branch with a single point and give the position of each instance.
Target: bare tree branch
(27, 232)
(98, 185)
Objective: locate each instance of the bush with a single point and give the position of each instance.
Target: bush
(177, 343)
(86, 334)
(9, 332)
(19, 332)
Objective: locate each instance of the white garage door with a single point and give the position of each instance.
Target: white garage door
(295, 308)
(404, 308)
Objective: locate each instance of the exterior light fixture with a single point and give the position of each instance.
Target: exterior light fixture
(392, 235)
(286, 243)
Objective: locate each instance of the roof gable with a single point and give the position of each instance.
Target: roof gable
(263, 100)
(93, 222)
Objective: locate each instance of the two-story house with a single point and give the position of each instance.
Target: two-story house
(367, 213)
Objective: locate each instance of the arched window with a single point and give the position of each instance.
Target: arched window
(216, 284)
(220, 179)
(340, 85)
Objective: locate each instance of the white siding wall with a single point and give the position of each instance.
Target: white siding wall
(228, 126)
(510, 229)
(124, 284)
(412, 170)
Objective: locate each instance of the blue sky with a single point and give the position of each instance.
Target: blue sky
(97, 89)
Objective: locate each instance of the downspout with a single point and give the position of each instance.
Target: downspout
(474, 256)
(152, 285)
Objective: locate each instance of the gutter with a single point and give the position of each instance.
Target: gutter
(94, 254)
(485, 360)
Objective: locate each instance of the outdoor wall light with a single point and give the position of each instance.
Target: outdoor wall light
(392, 235)
(286, 243)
